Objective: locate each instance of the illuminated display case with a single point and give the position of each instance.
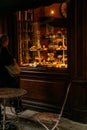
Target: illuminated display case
(40, 44)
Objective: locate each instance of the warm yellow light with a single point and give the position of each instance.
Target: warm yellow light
(52, 11)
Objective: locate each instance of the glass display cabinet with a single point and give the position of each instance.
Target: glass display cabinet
(40, 44)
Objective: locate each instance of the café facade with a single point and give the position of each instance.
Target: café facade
(49, 41)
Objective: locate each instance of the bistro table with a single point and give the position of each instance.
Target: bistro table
(7, 94)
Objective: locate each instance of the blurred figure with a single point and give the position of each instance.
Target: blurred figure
(6, 59)
(6, 80)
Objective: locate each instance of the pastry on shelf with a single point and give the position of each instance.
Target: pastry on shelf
(33, 48)
(34, 64)
(37, 57)
(63, 47)
(58, 48)
(44, 49)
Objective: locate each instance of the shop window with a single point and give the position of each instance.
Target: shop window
(42, 37)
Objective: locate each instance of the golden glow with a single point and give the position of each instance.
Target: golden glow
(52, 12)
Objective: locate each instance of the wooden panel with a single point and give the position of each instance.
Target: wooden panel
(44, 91)
(79, 100)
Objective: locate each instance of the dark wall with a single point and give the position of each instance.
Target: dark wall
(8, 25)
(15, 5)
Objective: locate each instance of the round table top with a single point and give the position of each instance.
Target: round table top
(11, 92)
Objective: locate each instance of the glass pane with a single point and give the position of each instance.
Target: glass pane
(42, 43)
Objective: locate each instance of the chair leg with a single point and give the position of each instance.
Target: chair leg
(47, 127)
(55, 128)
(43, 125)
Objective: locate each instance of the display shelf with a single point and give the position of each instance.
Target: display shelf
(38, 49)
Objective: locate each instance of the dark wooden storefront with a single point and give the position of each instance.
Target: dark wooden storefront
(46, 87)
